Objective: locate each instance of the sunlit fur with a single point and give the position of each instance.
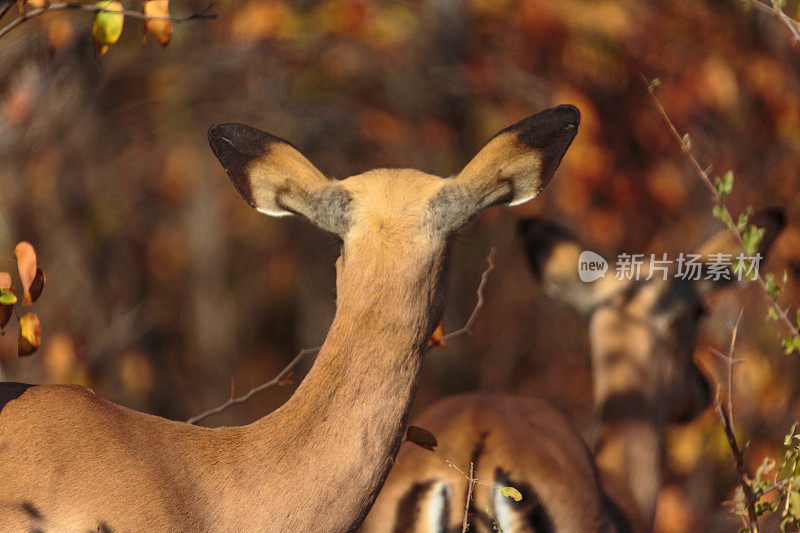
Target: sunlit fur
(642, 336)
(71, 461)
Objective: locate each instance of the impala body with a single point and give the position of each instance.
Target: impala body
(642, 336)
(71, 461)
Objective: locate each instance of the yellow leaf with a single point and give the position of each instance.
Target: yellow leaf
(161, 30)
(30, 334)
(511, 492)
(26, 264)
(107, 27)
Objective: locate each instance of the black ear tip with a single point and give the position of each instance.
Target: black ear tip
(569, 114)
(214, 132)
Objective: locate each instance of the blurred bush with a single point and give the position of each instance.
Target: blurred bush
(163, 285)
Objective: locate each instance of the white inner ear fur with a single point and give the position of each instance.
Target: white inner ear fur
(274, 213)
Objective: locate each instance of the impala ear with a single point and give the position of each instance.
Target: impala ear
(519, 161)
(555, 256)
(274, 177)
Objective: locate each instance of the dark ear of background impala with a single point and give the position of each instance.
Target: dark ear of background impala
(163, 285)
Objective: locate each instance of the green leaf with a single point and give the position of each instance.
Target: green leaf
(654, 83)
(723, 216)
(788, 439)
(687, 142)
(771, 287)
(752, 238)
(791, 343)
(724, 185)
(798, 317)
(772, 314)
(794, 504)
(744, 217)
(511, 492)
(7, 298)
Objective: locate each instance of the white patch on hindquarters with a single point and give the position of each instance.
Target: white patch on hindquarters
(502, 510)
(436, 515)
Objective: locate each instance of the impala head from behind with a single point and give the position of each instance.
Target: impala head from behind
(390, 213)
(642, 335)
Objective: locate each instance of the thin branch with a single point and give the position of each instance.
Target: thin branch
(469, 497)
(726, 418)
(706, 179)
(58, 6)
(467, 328)
(271, 383)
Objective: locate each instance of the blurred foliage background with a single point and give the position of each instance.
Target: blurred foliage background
(163, 286)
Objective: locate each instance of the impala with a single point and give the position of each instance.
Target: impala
(642, 337)
(71, 461)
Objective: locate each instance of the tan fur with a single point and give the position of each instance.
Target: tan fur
(526, 439)
(71, 461)
(642, 337)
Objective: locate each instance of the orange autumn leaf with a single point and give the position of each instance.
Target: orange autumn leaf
(26, 264)
(437, 336)
(30, 334)
(286, 380)
(161, 30)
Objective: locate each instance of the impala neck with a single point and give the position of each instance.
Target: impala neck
(337, 436)
(628, 444)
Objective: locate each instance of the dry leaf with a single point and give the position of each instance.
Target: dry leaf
(6, 311)
(436, 338)
(30, 334)
(421, 437)
(26, 264)
(36, 287)
(286, 380)
(161, 30)
(5, 281)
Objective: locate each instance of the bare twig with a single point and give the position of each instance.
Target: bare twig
(726, 418)
(271, 383)
(706, 179)
(94, 8)
(467, 328)
(469, 497)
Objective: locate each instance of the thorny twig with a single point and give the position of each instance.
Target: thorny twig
(469, 497)
(60, 6)
(706, 179)
(467, 328)
(271, 383)
(726, 418)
